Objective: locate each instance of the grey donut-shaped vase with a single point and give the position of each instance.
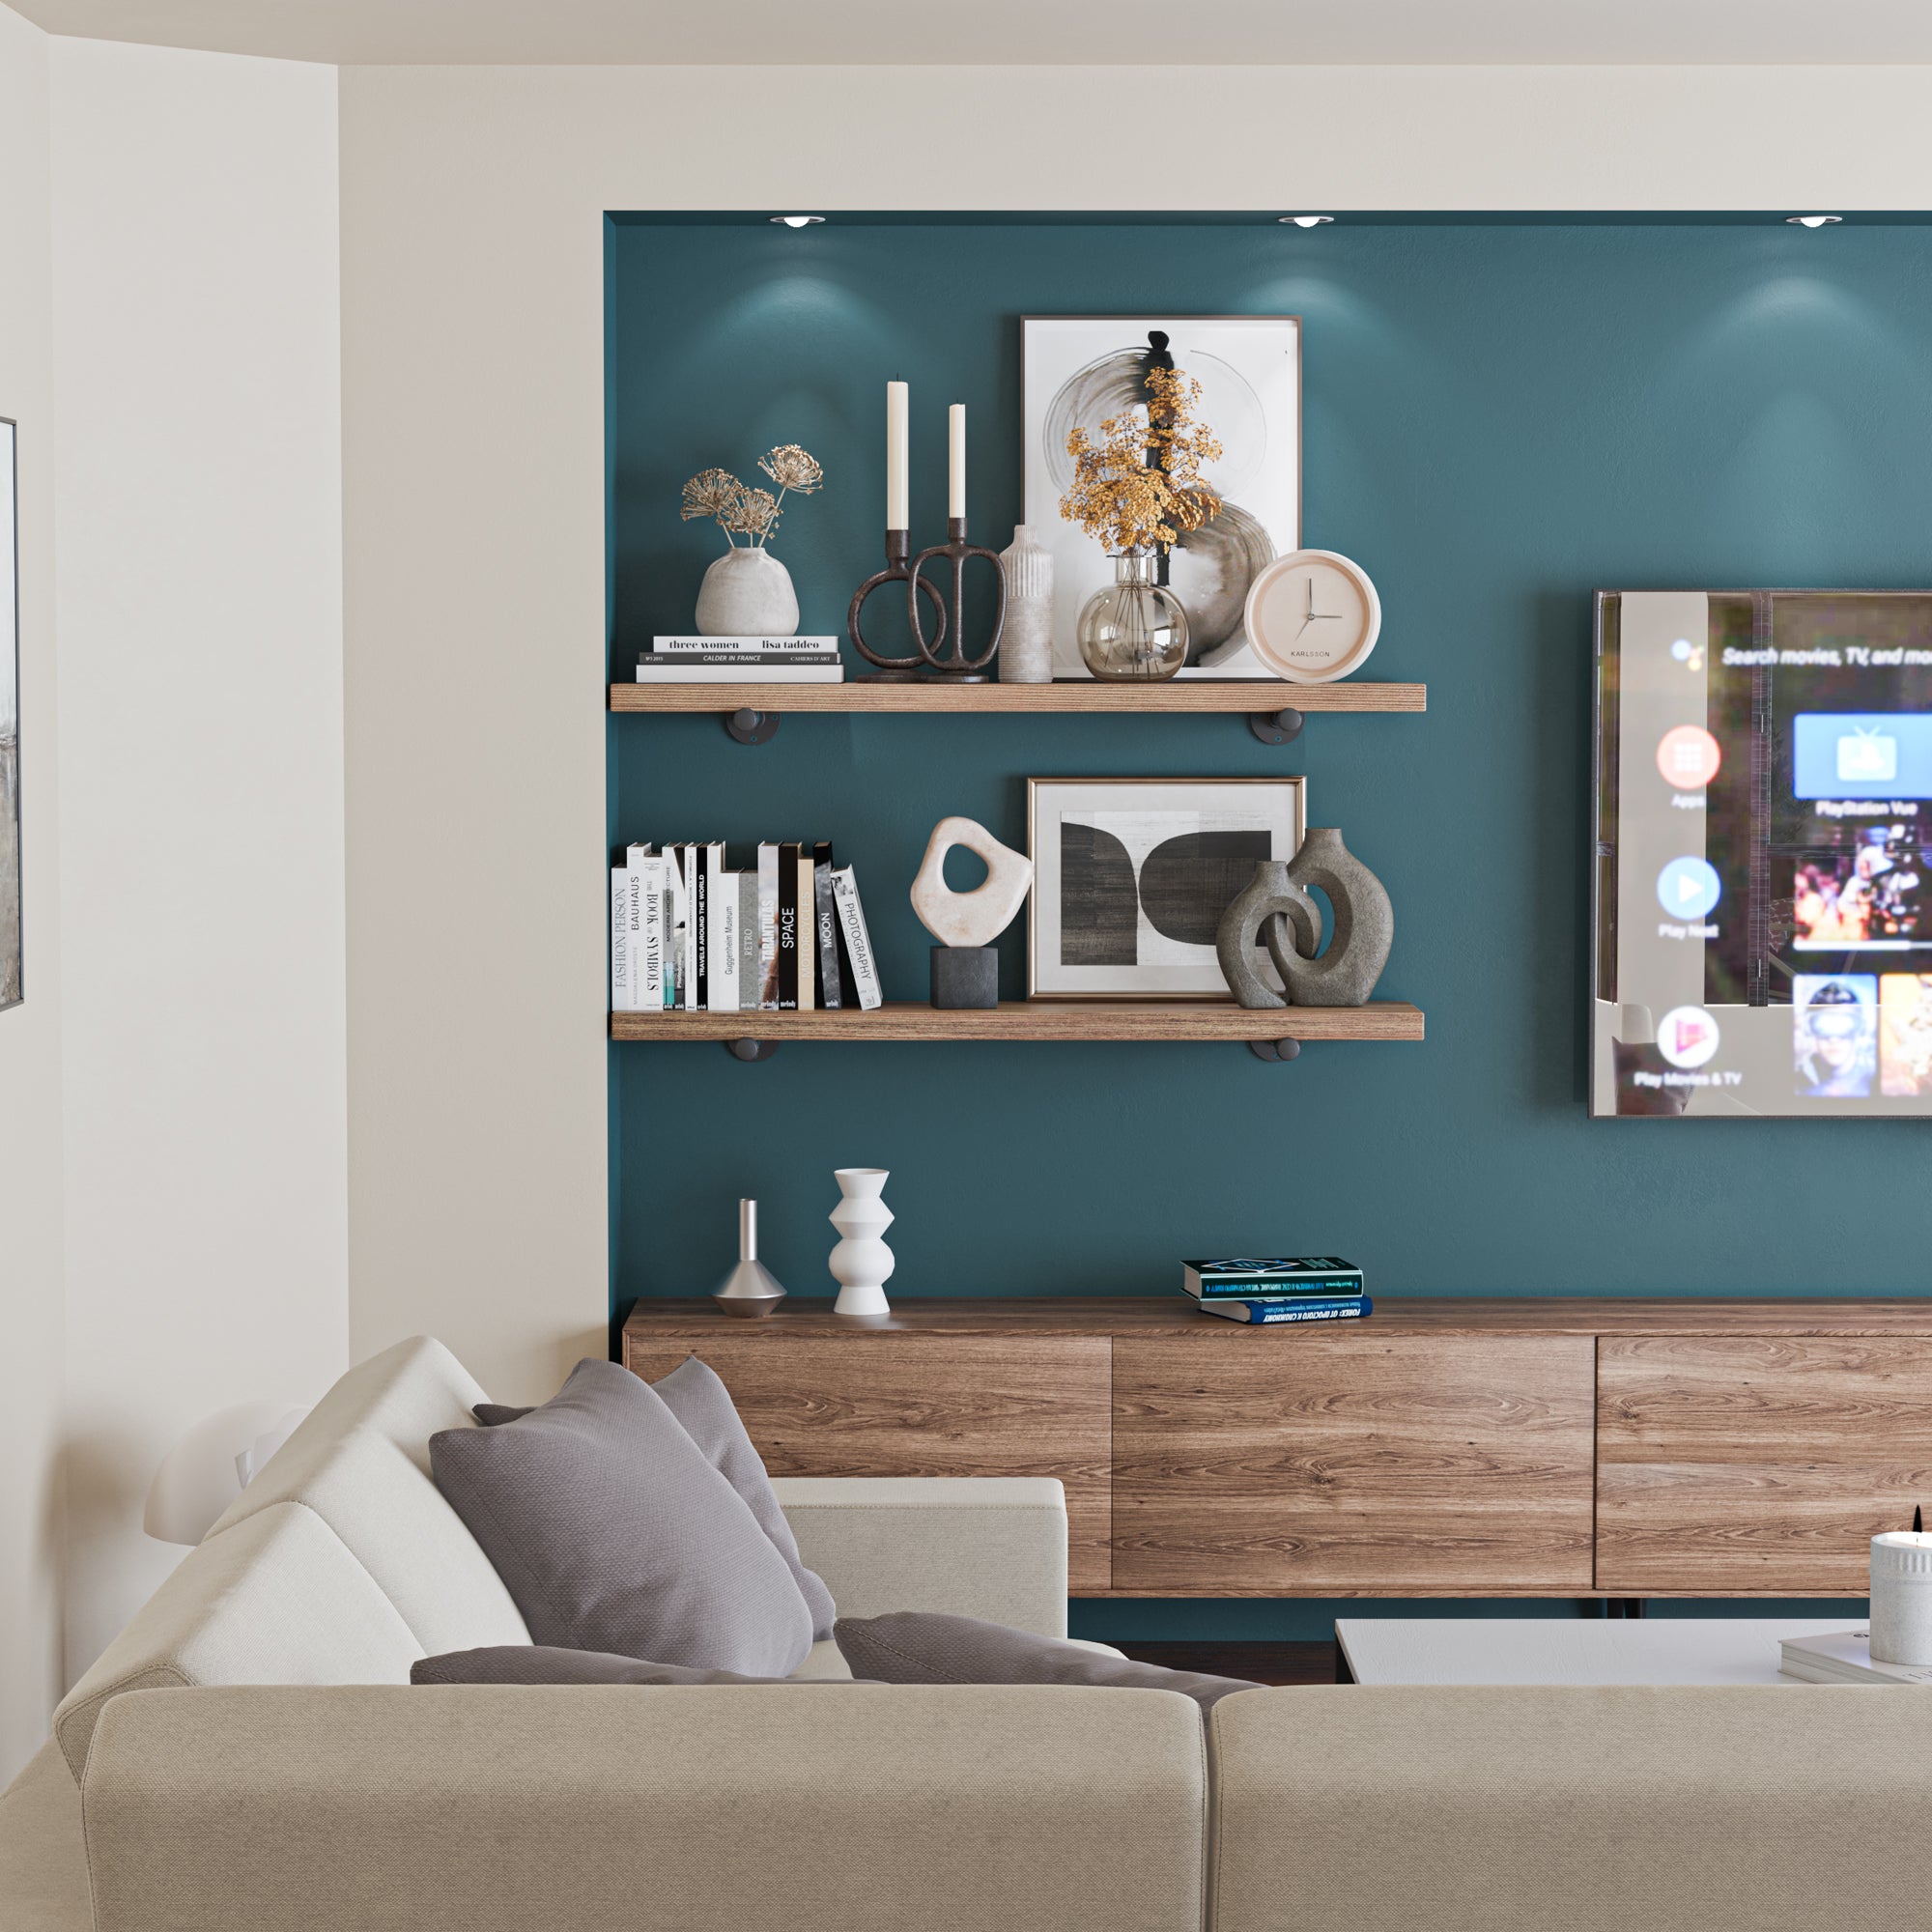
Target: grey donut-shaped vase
(1266, 904)
(1358, 948)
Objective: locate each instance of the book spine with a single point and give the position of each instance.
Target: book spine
(701, 925)
(857, 941)
(623, 942)
(808, 947)
(665, 660)
(787, 927)
(751, 983)
(831, 989)
(721, 940)
(673, 921)
(743, 647)
(653, 929)
(1271, 1314)
(738, 671)
(689, 993)
(768, 928)
(1269, 1288)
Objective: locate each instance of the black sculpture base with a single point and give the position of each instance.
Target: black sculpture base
(965, 976)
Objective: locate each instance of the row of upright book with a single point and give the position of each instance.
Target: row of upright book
(1267, 1290)
(688, 933)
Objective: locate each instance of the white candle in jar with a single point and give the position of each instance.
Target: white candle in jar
(955, 460)
(896, 409)
(1901, 1598)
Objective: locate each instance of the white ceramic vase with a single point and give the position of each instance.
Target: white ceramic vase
(1026, 641)
(861, 1262)
(746, 593)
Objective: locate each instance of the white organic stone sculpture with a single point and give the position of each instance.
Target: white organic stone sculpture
(977, 918)
(861, 1261)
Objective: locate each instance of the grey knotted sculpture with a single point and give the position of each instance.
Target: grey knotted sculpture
(1275, 910)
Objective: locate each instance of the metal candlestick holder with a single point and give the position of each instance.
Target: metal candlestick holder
(902, 567)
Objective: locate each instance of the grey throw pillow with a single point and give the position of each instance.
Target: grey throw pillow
(541, 1664)
(703, 1405)
(613, 1531)
(929, 1647)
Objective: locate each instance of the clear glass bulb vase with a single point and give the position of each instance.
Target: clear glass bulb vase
(1135, 628)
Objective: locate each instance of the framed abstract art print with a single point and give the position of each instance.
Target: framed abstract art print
(1131, 877)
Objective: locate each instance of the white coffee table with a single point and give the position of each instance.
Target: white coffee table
(1578, 1650)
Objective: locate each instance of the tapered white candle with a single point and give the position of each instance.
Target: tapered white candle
(897, 517)
(955, 460)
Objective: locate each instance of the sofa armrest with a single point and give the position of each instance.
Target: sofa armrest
(474, 1808)
(1773, 1808)
(992, 1547)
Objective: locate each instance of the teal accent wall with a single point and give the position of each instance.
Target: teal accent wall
(1499, 419)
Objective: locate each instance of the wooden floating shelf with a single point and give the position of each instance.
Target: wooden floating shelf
(1249, 695)
(1039, 1019)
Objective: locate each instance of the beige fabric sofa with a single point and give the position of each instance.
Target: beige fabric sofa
(287, 1777)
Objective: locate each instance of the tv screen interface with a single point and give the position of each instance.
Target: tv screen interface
(1763, 895)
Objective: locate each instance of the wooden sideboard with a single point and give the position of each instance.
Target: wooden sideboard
(1444, 1447)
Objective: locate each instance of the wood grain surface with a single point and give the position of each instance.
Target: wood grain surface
(929, 1405)
(1197, 695)
(1350, 1458)
(1174, 1314)
(1752, 1462)
(1037, 1019)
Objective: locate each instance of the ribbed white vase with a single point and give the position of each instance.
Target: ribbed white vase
(1026, 642)
(861, 1262)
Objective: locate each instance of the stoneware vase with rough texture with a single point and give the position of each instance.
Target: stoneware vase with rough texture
(1358, 948)
(746, 593)
(1026, 642)
(1267, 898)
(861, 1262)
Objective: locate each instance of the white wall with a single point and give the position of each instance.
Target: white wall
(473, 383)
(30, 1096)
(197, 362)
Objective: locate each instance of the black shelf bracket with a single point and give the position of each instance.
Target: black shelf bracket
(1276, 1049)
(753, 727)
(1276, 727)
(750, 1049)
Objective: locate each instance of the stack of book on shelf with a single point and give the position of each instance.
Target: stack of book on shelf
(1247, 1288)
(742, 660)
(689, 934)
(1843, 1657)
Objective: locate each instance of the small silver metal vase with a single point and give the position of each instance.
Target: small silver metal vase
(751, 1289)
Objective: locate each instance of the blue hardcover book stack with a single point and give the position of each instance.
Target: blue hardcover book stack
(1269, 1289)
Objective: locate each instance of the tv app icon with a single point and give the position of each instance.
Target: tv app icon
(1688, 887)
(1687, 1037)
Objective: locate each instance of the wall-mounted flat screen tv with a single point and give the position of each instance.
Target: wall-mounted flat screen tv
(1762, 893)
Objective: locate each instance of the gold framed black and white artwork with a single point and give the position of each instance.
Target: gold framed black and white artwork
(1131, 877)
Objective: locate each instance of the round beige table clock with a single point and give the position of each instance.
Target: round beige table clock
(1313, 617)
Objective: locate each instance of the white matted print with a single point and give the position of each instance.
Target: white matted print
(1082, 369)
(10, 724)
(1131, 877)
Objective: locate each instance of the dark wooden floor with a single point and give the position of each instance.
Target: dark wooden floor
(1262, 1662)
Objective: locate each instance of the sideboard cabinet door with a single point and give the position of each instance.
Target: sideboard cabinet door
(1334, 1461)
(1757, 1463)
(922, 1404)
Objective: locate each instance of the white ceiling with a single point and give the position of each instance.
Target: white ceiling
(1081, 33)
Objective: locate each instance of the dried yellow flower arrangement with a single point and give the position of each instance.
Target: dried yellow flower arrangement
(751, 513)
(1140, 485)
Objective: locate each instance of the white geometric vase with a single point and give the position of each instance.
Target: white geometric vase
(861, 1262)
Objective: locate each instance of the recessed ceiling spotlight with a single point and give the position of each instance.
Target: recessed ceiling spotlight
(1812, 220)
(1307, 220)
(799, 220)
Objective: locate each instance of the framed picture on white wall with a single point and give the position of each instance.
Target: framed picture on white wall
(11, 979)
(1082, 369)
